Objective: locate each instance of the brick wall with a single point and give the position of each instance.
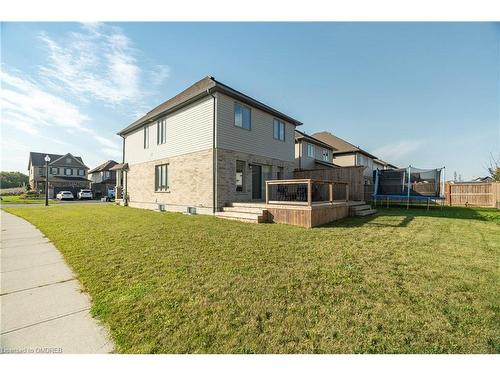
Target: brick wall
(226, 175)
(190, 181)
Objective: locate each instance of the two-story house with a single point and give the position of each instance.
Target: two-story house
(206, 147)
(103, 179)
(311, 153)
(66, 172)
(346, 154)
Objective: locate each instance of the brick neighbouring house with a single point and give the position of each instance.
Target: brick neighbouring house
(66, 172)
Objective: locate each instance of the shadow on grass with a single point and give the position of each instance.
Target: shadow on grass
(402, 217)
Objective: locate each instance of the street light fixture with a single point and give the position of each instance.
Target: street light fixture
(47, 160)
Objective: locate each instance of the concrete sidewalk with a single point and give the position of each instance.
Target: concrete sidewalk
(42, 306)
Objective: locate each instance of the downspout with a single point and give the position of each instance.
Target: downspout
(125, 179)
(214, 154)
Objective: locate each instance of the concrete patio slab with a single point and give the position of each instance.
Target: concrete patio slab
(43, 308)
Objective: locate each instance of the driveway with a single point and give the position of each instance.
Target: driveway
(43, 308)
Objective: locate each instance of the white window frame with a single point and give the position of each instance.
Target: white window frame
(311, 150)
(238, 119)
(66, 171)
(52, 170)
(279, 130)
(161, 129)
(325, 155)
(242, 186)
(161, 178)
(81, 172)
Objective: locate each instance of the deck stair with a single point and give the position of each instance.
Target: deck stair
(247, 212)
(360, 208)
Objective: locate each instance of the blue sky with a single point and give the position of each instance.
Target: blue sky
(425, 94)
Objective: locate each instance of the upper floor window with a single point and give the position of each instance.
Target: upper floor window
(279, 130)
(146, 136)
(81, 172)
(326, 154)
(161, 177)
(54, 170)
(310, 150)
(241, 116)
(41, 171)
(68, 171)
(162, 131)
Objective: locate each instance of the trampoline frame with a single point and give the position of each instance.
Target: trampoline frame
(408, 197)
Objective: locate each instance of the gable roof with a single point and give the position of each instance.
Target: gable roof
(299, 136)
(203, 87)
(37, 159)
(341, 146)
(106, 166)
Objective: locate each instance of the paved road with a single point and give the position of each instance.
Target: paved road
(60, 203)
(42, 306)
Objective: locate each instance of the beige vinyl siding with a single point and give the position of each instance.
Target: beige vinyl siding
(259, 139)
(307, 162)
(188, 130)
(345, 160)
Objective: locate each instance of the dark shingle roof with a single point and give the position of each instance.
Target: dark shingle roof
(340, 146)
(196, 91)
(300, 136)
(38, 158)
(106, 166)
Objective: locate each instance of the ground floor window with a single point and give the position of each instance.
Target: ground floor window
(161, 177)
(240, 175)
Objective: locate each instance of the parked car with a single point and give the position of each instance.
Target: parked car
(62, 195)
(85, 194)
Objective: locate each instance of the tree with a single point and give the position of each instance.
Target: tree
(494, 167)
(12, 180)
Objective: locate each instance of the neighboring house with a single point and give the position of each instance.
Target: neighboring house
(311, 153)
(103, 179)
(380, 164)
(348, 155)
(483, 179)
(66, 172)
(206, 147)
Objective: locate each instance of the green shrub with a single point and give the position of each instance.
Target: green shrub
(30, 195)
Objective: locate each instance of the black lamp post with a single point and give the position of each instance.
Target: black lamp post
(47, 159)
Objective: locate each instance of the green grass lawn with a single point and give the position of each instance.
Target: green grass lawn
(400, 282)
(15, 199)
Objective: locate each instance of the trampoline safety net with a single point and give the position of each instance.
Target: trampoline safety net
(420, 182)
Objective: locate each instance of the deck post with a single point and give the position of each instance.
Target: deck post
(267, 192)
(309, 192)
(330, 190)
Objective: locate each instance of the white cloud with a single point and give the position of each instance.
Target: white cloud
(29, 108)
(100, 61)
(399, 151)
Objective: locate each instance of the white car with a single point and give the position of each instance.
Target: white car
(85, 194)
(62, 195)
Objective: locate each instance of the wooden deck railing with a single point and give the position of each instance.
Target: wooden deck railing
(305, 192)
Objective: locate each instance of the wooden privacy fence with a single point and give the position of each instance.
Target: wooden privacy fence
(353, 176)
(479, 194)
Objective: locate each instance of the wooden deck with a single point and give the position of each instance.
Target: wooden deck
(301, 215)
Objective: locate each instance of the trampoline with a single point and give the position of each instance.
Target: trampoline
(409, 185)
